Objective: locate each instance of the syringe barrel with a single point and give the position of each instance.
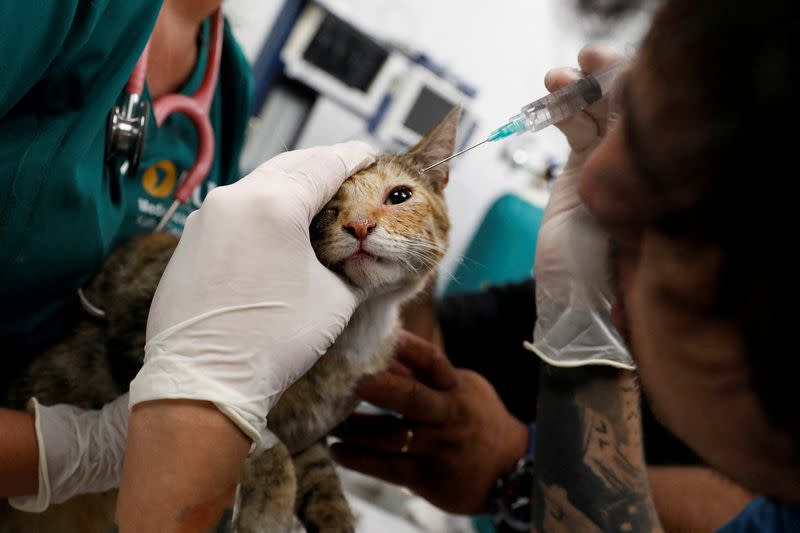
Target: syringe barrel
(571, 99)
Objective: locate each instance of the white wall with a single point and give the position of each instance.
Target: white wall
(250, 20)
(502, 47)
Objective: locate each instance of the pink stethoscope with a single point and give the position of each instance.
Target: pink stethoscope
(127, 122)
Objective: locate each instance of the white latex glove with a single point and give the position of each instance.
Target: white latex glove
(573, 292)
(80, 451)
(244, 307)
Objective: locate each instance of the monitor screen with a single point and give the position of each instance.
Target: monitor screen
(427, 111)
(345, 53)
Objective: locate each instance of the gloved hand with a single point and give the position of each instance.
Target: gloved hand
(80, 451)
(573, 292)
(244, 307)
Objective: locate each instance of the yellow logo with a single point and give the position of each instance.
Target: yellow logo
(159, 180)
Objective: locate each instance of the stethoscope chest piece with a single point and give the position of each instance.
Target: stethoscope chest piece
(125, 134)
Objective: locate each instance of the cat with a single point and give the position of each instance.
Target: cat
(385, 230)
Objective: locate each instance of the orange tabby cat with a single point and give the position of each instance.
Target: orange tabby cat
(385, 230)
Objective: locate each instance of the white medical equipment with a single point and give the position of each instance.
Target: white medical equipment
(320, 80)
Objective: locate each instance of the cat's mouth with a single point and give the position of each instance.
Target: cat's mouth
(362, 255)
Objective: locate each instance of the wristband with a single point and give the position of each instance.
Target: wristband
(512, 496)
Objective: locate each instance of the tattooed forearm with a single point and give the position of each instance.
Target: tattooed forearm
(590, 469)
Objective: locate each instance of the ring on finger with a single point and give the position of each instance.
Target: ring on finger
(407, 443)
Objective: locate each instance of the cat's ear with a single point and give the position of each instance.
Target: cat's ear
(438, 144)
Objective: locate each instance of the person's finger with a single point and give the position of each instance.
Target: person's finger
(319, 172)
(401, 469)
(591, 58)
(558, 78)
(396, 367)
(581, 129)
(404, 395)
(594, 57)
(383, 433)
(584, 129)
(425, 361)
(285, 160)
(352, 154)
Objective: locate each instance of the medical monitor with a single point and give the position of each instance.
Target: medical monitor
(419, 100)
(336, 59)
(345, 53)
(426, 111)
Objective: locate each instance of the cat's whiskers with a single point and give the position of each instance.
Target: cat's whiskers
(464, 258)
(428, 254)
(424, 246)
(424, 252)
(416, 242)
(451, 276)
(428, 248)
(426, 261)
(419, 239)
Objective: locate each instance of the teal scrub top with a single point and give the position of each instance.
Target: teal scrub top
(63, 65)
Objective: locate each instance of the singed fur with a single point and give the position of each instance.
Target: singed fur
(296, 477)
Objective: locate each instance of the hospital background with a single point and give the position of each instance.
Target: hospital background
(384, 71)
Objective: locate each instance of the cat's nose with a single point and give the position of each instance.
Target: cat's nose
(359, 228)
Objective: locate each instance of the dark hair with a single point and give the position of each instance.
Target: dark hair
(611, 8)
(601, 18)
(730, 73)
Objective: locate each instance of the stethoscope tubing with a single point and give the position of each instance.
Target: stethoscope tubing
(197, 107)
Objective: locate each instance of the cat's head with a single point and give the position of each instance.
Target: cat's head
(387, 227)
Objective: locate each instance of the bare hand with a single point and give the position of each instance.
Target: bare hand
(463, 436)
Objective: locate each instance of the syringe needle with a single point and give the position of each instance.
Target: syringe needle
(552, 108)
(424, 170)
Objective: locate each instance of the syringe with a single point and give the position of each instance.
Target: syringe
(552, 108)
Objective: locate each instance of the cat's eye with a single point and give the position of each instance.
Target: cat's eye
(398, 195)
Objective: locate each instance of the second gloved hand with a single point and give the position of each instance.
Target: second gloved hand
(244, 307)
(80, 451)
(573, 291)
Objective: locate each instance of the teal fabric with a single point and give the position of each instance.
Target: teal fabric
(764, 515)
(64, 64)
(483, 524)
(501, 251)
(171, 148)
(503, 247)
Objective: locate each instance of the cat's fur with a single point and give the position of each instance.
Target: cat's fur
(295, 477)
